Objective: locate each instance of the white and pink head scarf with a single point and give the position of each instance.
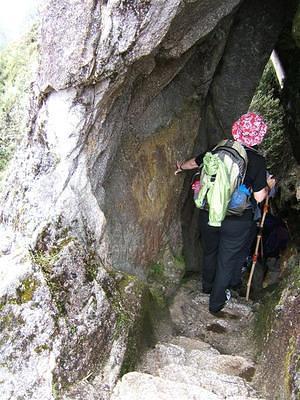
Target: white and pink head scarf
(249, 129)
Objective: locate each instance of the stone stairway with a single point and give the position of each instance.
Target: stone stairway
(202, 358)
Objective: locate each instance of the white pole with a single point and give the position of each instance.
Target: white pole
(278, 68)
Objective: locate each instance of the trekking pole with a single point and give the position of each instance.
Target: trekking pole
(259, 236)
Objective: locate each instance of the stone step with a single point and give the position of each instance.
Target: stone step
(228, 332)
(141, 386)
(218, 383)
(137, 386)
(206, 361)
(196, 354)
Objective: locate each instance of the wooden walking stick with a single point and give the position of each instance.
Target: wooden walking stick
(258, 241)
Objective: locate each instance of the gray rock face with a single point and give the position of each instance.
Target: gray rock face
(121, 93)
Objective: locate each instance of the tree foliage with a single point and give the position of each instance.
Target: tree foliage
(266, 102)
(17, 63)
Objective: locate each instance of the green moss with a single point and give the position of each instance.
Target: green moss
(41, 348)
(266, 314)
(46, 262)
(91, 271)
(130, 281)
(293, 279)
(24, 293)
(26, 290)
(47, 258)
(46, 254)
(55, 391)
(158, 298)
(264, 318)
(123, 322)
(180, 264)
(157, 273)
(135, 311)
(57, 292)
(42, 259)
(6, 320)
(287, 365)
(122, 301)
(140, 336)
(179, 258)
(91, 267)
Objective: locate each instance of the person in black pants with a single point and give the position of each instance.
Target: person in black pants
(225, 247)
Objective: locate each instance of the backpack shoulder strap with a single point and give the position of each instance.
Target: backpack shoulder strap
(236, 152)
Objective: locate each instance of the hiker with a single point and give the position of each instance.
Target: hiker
(274, 242)
(275, 237)
(236, 281)
(225, 241)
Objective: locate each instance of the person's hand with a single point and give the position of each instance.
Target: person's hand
(185, 165)
(178, 168)
(271, 182)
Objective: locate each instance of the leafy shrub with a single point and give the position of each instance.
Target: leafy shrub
(266, 102)
(17, 63)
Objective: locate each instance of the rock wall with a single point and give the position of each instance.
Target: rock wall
(124, 89)
(276, 332)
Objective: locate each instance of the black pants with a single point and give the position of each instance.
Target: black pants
(224, 251)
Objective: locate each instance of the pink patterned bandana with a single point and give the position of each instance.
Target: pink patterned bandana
(249, 130)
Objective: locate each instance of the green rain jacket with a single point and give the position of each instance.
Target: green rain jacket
(216, 193)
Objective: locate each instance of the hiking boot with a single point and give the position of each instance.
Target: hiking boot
(228, 295)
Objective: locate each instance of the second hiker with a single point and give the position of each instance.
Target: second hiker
(228, 171)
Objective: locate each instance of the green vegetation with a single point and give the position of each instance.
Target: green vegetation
(264, 319)
(46, 255)
(43, 347)
(44, 260)
(135, 310)
(140, 334)
(16, 68)
(163, 278)
(288, 362)
(91, 267)
(266, 102)
(158, 298)
(157, 273)
(123, 298)
(26, 290)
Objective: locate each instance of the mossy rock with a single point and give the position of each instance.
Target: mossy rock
(165, 275)
(276, 333)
